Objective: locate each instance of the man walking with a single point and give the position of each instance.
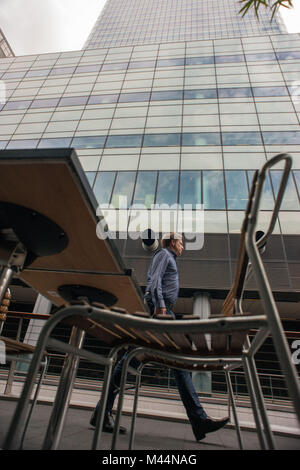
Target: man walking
(161, 295)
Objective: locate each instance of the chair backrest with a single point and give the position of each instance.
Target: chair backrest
(229, 304)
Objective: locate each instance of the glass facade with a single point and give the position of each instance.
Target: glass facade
(169, 120)
(127, 22)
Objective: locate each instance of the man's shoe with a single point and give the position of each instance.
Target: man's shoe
(108, 424)
(208, 425)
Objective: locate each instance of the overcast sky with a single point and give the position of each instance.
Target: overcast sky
(40, 26)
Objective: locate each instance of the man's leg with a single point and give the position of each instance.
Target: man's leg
(189, 396)
(112, 393)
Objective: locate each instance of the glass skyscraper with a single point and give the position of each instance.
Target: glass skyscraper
(173, 102)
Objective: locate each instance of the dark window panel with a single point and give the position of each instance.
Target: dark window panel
(88, 68)
(201, 138)
(90, 177)
(284, 137)
(267, 200)
(161, 140)
(260, 56)
(170, 62)
(236, 189)
(234, 92)
(116, 66)
(62, 70)
(297, 178)
(167, 188)
(23, 144)
(199, 94)
(133, 140)
(3, 144)
(241, 138)
(45, 103)
(103, 99)
(166, 95)
(200, 60)
(290, 199)
(22, 104)
(213, 190)
(122, 193)
(73, 101)
(145, 188)
(38, 73)
(220, 59)
(142, 64)
(103, 186)
(190, 188)
(270, 91)
(131, 97)
(55, 142)
(288, 55)
(88, 142)
(9, 75)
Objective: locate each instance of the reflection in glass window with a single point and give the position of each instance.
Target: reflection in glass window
(145, 188)
(288, 55)
(91, 177)
(200, 60)
(103, 186)
(88, 68)
(220, 59)
(190, 188)
(73, 101)
(55, 143)
(45, 103)
(20, 144)
(130, 97)
(117, 141)
(99, 99)
(284, 137)
(241, 138)
(88, 142)
(260, 56)
(236, 189)
(62, 70)
(167, 188)
(200, 94)
(38, 73)
(166, 95)
(297, 179)
(122, 193)
(213, 190)
(22, 104)
(290, 199)
(269, 91)
(169, 62)
(201, 138)
(116, 66)
(234, 92)
(161, 140)
(142, 64)
(267, 200)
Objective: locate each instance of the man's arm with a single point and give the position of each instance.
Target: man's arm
(159, 267)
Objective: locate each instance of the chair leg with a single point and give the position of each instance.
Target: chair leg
(121, 397)
(63, 394)
(34, 401)
(134, 411)
(235, 416)
(260, 403)
(253, 403)
(100, 414)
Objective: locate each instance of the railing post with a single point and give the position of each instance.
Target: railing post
(11, 373)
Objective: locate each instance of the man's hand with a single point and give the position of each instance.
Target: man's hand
(160, 311)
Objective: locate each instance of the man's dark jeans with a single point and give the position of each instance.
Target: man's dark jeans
(184, 383)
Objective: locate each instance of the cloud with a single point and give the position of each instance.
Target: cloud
(39, 26)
